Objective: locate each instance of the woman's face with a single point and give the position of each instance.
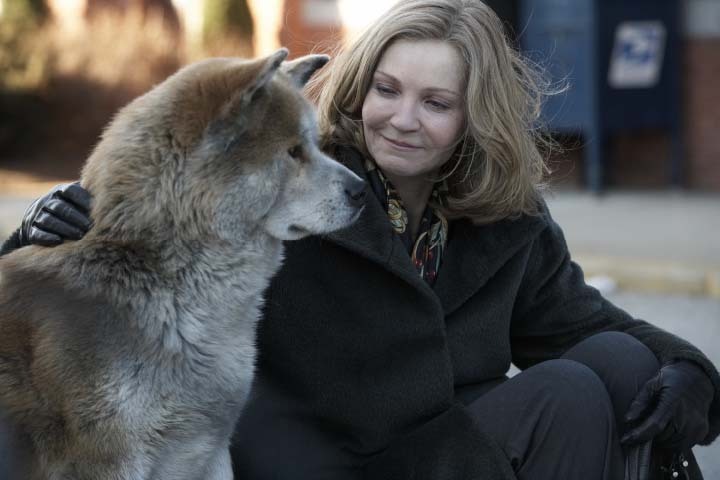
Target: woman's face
(413, 112)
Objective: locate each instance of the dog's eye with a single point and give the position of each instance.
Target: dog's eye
(296, 152)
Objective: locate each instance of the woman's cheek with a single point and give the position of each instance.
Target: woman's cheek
(447, 131)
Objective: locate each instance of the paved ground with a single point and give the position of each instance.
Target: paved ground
(670, 226)
(656, 242)
(11, 211)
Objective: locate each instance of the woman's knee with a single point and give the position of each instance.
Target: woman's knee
(621, 361)
(610, 354)
(555, 406)
(574, 391)
(570, 413)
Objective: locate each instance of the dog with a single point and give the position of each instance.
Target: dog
(129, 354)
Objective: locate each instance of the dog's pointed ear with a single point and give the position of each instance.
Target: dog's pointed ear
(250, 79)
(268, 67)
(301, 69)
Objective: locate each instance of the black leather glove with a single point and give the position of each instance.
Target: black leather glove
(672, 408)
(62, 214)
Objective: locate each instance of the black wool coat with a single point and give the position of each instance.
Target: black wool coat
(360, 343)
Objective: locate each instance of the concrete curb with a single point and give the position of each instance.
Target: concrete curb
(654, 276)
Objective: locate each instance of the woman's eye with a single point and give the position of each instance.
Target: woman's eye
(295, 152)
(438, 106)
(384, 89)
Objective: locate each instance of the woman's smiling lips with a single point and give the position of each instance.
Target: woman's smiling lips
(400, 145)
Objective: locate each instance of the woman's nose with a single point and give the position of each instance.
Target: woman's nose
(405, 117)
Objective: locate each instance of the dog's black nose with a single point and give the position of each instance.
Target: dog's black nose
(355, 189)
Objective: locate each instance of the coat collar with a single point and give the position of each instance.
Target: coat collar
(474, 253)
(372, 235)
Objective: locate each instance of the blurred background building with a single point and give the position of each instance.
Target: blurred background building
(641, 109)
(67, 65)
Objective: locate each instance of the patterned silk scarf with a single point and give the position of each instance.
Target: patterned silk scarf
(427, 249)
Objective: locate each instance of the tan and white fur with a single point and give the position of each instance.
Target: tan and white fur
(129, 353)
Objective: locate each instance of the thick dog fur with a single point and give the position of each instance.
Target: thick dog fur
(129, 354)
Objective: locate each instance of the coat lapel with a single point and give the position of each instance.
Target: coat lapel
(476, 252)
(372, 236)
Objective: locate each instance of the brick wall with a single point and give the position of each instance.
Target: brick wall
(636, 160)
(639, 159)
(702, 113)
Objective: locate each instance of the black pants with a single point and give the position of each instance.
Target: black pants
(557, 420)
(563, 418)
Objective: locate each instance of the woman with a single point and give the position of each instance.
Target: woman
(384, 347)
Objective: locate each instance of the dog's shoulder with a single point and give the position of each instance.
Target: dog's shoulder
(21, 272)
(27, 269)
(34, 286)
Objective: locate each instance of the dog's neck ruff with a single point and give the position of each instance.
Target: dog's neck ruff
(178, 298)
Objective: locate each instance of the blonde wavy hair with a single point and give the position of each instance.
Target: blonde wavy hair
(497, 170)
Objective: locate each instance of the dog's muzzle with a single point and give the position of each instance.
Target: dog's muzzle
(355, 189)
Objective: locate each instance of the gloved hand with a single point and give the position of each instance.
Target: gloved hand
(672, 408)
(62, 214)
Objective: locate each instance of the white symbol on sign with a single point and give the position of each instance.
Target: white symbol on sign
(637, 55)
